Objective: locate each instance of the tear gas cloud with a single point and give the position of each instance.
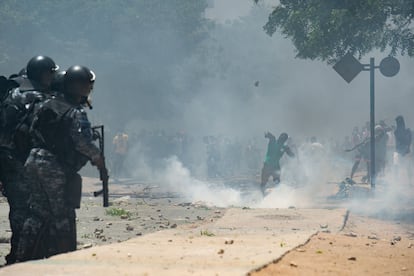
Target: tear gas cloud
(234, 83)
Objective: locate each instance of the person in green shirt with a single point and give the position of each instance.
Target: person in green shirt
(275, 151)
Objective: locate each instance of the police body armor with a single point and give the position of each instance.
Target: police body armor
(16, 116)
(51, 130)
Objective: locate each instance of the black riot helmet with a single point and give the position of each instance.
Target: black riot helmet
(23, 72)
(79, 73)
(79, 81)
(39, 65)
(57, 83)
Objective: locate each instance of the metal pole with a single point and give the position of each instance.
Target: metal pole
(372, 121)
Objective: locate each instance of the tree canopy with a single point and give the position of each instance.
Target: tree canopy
(328, 29)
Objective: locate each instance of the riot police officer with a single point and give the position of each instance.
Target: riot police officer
(15, 142)
(57, 83)
(63, 145)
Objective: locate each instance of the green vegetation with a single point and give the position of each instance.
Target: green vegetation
(206, 233)
(87, 236)
(328, 29)
(117, 212)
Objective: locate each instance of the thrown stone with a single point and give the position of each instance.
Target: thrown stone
(293, 264)
(87, 245)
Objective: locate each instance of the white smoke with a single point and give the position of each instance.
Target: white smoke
(283, 196)
(307, 181)
(393, 196)
(179, 179)
(304, 184)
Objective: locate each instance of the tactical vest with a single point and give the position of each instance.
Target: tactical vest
(51, 130)
(16, 115)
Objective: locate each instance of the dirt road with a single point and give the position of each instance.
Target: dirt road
(366, 246)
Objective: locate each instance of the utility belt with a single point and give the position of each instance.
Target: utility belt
(64, 158)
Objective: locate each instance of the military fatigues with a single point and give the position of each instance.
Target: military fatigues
(50, 217)
(17, 191)
(63, 145)
(16, 111)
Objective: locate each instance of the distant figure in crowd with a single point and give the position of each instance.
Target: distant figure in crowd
(356, 136)
(402, 145)
(120, 146)
(402, 139)
(363, 154)
(317, 150)
(275, 151)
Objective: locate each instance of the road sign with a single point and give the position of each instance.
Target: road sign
(348, 67)
(389, 66)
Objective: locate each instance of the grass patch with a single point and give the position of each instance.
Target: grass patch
(117, 212)
(206, 233)
(86, 236)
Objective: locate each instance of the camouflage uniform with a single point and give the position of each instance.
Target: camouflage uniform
(50, 216)
(15, 144)
(17, 191)
(63, 146)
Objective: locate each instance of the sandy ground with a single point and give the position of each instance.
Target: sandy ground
(242, 240)
(146, 211)
(366, 246)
